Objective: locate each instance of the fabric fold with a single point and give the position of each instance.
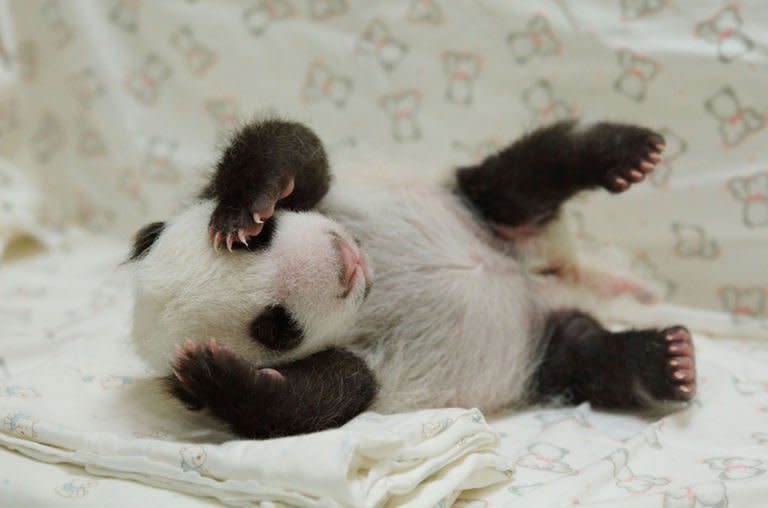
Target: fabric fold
(412, 459)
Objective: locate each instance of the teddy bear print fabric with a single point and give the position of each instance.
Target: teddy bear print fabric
(112, 143)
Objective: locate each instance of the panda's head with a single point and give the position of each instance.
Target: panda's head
(298, 286)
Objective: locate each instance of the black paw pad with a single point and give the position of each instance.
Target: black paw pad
(210, 375)
(626, 153)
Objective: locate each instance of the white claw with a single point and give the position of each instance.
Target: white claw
(230, 240)
(257, 219)
(242, 237)
(217, 241)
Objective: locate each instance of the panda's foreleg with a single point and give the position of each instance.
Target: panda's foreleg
(321, 391)
(582, 361)
(268, 164)
(523, 185)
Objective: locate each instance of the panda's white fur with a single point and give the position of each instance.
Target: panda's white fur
(185, 290)
(453, 318)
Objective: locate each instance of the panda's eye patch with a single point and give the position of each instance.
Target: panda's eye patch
(276, 329)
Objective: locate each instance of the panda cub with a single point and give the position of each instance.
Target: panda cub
(285, 306)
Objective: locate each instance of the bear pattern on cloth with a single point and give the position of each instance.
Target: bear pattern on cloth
(131, 137)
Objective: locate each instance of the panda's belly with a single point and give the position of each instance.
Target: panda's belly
(450, 320)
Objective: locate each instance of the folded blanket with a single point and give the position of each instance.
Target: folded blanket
(416, 459)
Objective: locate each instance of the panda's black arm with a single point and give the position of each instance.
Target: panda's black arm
(321, 391)
(267, 164)
(526, 182)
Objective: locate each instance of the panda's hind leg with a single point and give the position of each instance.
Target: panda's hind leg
(582, 361)
(522, 186)
(321, 391)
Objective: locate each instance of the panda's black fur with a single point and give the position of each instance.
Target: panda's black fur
(303, 307)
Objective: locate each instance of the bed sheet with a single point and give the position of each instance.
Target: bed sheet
(73, 393)
(111, 112)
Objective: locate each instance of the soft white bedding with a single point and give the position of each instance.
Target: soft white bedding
(110, 112)
(72, 391)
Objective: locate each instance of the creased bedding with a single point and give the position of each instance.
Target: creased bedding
(111, 112)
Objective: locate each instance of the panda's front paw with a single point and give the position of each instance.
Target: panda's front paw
(232, 222)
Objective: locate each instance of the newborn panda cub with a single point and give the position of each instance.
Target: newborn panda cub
(284, 306)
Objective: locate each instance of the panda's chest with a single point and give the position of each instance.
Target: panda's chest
(433, 264)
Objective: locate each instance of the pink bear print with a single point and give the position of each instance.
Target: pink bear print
(224, 112)
(425, 11)
(90, 143)
(56, 26)
(706, 495)
(675, 148)
(260, 14)
(540, 99)
(752, 192)
(462, 70)
(693, 242)
(27, 60)
(479, 150)
(724, 30)
(735, 121)
(376, 40)
(9, 119)
(87, 87)
(48, 138)
(145, 82)
(402, 108)
(125, 14)
(545, 457)
(324, 9)
(158, 159)
(641, 263)
(736, 468)
(324, 84)
(636, 9)
(637, 71)
(626, 479)
(24, 60)
(537, 39)
(743, 303)
(194, 54)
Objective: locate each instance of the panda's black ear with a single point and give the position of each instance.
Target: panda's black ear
(144, 239)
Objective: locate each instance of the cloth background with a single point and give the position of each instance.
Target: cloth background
(111, 112)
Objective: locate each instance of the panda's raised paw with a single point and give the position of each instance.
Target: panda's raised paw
(233, 224)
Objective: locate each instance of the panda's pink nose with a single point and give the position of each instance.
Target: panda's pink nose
(353, 263)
